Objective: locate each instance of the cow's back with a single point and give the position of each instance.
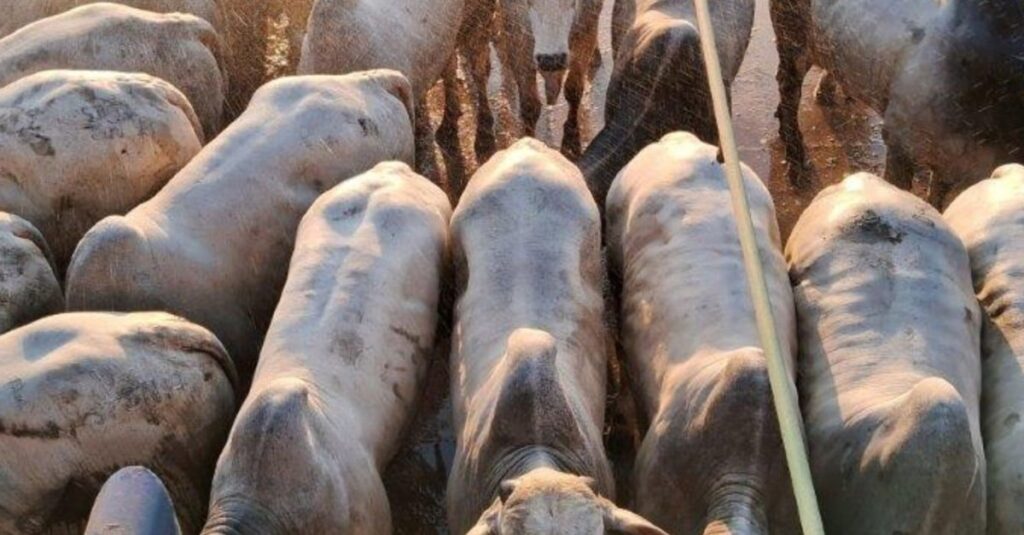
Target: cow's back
(202, 250)
(182, 49)
(526, 234)
(889, 364)
(92, 392)
(23, 12)
(989, 218)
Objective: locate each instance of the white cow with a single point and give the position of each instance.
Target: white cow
(213, 245)
(558, 39)
(989, 218)
(889, 367)
(29, 288)
(85, 394)
(77, 146)
(529, 354)
(712, 459)
(181, 49)
(946, 76)
(414, 37)
(342, 367)
(18, 13)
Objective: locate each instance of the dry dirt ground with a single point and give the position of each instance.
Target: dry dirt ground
(840, 140)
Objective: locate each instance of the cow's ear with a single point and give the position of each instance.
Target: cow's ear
(488, 523)
(506, 489)
(622, 522)
(532, 406)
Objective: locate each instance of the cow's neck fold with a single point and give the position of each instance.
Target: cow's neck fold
(526, 459)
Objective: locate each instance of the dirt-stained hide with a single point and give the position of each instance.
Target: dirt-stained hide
(213, 244)
(529, 353)
(712, 458)
(182, 49)
(85, 394)
(889, 366)
(77, 146)
(343, 365)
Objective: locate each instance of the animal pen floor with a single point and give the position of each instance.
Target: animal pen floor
(840, 140)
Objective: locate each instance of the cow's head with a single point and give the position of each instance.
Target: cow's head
(548, 502)
(551, 23)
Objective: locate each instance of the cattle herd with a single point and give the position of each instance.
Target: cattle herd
(220, 294)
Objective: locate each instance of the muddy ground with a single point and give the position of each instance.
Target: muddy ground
(840, 140)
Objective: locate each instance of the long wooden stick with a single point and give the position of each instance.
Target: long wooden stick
(783, 392)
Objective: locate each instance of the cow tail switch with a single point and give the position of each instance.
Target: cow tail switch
(783, 390)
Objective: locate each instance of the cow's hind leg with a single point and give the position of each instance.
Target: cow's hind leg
(582, 52)
(827, 92)
(514, 50)
(939, 188)
(899, 166)
(426, 156)
(479, 64)
(789, 17)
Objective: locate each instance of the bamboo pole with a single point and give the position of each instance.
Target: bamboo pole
(783, 393)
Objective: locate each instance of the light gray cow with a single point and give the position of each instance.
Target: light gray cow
(213, 244)
(947, 77)
(181, 49)
(77, 146)
(414, 37)
(342, 368)
(558, 40)
(18, 13)
(889, 368)
(989, 218)
(529, 354)
(712, 458)
(29, 287)
(85, 394)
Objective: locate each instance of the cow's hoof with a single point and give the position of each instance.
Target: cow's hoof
(824, 98)
(484, 147)
(571, 145)
(800, 173)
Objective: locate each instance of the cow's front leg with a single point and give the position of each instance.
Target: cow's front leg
(426, 156)
(529, 98)
(791, 31)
